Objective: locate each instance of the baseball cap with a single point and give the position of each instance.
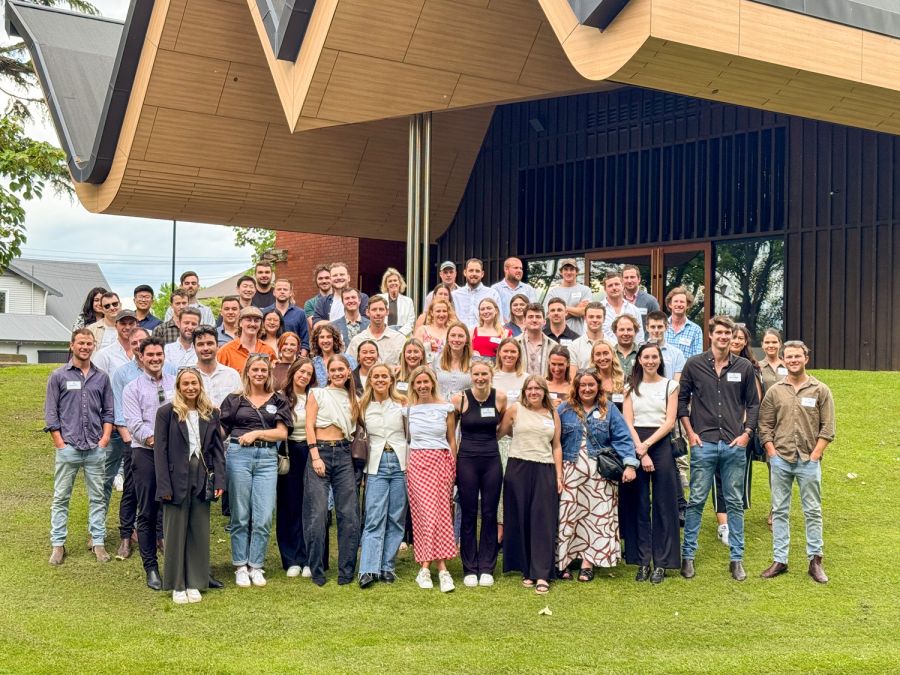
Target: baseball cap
(125, 314)
(251, 311)
(566, 262)
(447, 264)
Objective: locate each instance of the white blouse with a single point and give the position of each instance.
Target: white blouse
(384, 422)
(428, 425)
(650, 406)
(299, 431)
(193, 426)
(334, 409)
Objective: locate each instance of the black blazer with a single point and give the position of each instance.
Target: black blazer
(172, 450)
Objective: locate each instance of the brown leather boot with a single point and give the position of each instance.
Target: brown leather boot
(90, 543)
(774, 570)
(124, 551)
(57, 555)
(161, 546)
(100, 552)
(816, 571)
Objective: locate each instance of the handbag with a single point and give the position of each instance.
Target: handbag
(676, 437)
(609, 465)
(359, 446)
(209, 494)
(284, 460)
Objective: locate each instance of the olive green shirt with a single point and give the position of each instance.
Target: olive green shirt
(794, 420)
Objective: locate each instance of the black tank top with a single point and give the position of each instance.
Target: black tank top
(478, 426)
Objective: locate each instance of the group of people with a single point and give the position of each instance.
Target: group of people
(557, 432)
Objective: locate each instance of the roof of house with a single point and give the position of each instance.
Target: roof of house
(225, 287)
(32, 328)
(70, 282)
(23, 271)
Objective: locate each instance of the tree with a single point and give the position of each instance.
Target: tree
(27, 166)
(163, 300)
(750, 282)
(261, 239)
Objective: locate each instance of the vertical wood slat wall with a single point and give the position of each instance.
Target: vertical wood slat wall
(635, 167)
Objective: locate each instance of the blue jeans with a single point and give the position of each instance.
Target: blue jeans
(251, 474)
(112, 462)
(385, 516)
(68, 461)
(730, 461)
(809, 480)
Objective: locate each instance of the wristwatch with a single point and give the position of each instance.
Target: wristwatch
(748, 431)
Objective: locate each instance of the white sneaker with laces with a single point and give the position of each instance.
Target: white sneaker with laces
(256, 576)
(423, 578)
(307, 573)
(486, 580)
(242, 577)
(722, 533)
(293, 571)
(180, 597)
(446, 581)
(470, 580)
(193, 595)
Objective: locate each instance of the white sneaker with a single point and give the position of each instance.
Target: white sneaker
(119, 482)
(486, 580)
(306, 573)
(722, 533)
(256, 576)
(423, 578)
(446, 581)
(294, 571)
(180, 598)
(242, 577)
(470, 580)
(193, 595)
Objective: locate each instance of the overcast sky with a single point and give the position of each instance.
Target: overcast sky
(130, 251)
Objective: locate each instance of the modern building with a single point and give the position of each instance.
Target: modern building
(744, 147)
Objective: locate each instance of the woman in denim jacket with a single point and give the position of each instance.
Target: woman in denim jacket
(588, 505)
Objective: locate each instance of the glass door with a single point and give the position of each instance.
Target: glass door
(688, 265)
(601, 262)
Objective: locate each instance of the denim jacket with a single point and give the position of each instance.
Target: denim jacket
(610, 431)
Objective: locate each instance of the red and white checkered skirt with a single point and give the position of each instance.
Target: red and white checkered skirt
(430, 475)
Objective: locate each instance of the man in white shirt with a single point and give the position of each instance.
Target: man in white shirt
(673, 359)
(467, 298)
(576, 295)
(581, 349)
(616, 305)
(190, 284)
(536, 345)
(111, 357)
(104, 330)
(219, 380)
(181, 352)
(645, 303)
(390, 342)
(511, 284)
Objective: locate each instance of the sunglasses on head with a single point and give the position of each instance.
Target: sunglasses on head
(261, 355)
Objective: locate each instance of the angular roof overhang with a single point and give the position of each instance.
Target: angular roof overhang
(221, 122)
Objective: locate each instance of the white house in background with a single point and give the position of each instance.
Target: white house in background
(39, 300)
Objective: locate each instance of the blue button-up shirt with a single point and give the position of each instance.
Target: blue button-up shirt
(78, 405)
(467, 299)
(140, 401)
(294, 322)
(124, 376)
(689, 339)
(149, 322)
(505, 293)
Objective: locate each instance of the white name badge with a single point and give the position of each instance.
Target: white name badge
(548, 423)
(781, 370)
(72, 384)
(596, 414)
(618, 398)
(566, 342)
(402, 386)
(642, 310)
(488, 412)
(575, 296)
(496, 340)
(512, 394)
(733, 377)
(271, 409)
(685, 341)
(808, 402)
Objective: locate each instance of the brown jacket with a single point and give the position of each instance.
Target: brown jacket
(794, 420)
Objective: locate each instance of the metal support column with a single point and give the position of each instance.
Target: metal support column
(412, 211)
(418, 207)
(425, 204)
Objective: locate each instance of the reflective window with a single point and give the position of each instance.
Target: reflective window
(749, 283)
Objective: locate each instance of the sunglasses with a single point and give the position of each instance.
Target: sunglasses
(260, 355)
(109, 305)
(161, 395)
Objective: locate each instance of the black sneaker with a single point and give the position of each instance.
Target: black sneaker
(366, 580)
(388, 577)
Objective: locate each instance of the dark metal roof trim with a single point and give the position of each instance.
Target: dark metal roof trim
(286, 22)
(876, 16)
(95, 168)
(597, 13)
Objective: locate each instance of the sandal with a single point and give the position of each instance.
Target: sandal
(586, 574)
(542, 588)
(564, 575)
(528, 583)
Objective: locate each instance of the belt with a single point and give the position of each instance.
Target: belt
(333, 444)
(255, 444)
(388, 448)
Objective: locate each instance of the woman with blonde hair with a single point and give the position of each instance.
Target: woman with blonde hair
(381, 409)
(489, 332)
(288, 351)
(441, 292)
(331, 414)
(187, 446)
(452, 368)
(254, 420)
(401, 310)
(431, 474)
(437, 319)
(612, 377)
(413, 355)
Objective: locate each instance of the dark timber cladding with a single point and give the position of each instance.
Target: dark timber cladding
(636, 167)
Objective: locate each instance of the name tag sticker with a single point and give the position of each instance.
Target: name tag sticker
(271, 409)
(684, 341)
(733, 377)
(548, 423)
(781, 370)
(808, 401)
(566, 342)
(495, 340)
(642, 310)
(575, 296)
(596, 415)
(488, 412)
(512, 394)
(73, 384)
(618, 398)
(402, 386)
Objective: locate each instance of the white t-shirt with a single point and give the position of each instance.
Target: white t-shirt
(428, 425)
(573, 296)
(650, 406)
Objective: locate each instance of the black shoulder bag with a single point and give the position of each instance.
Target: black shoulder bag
(609, 465)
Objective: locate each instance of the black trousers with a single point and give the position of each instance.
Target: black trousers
(187, 541)
(479, 476)
(289, 508)
(530, 516)
(128, 503)
(648, 510)
(144, 472)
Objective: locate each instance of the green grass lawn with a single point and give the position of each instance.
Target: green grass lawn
(84, 616)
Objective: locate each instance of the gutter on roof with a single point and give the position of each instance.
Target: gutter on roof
(286, 29)
(95, 168)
